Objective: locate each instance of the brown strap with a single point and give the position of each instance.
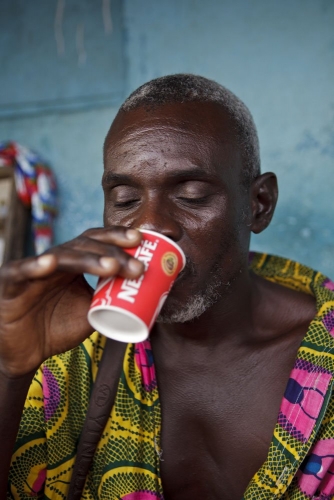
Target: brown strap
(100, 405)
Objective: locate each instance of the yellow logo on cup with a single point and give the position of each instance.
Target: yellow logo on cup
(169, 263)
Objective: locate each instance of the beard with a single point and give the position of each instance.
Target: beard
(199, 302)
(217, 285)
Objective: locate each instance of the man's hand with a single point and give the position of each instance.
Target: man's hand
(44, 300)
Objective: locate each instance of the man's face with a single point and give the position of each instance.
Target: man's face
(176, 169)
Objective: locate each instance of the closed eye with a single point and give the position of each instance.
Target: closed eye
(126, 204)
(124, 196)
(194, 192)
(194, 201)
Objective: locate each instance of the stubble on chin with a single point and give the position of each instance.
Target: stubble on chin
(217, 285)
(197, 304)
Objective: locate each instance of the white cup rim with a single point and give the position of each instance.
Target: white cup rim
(111, 332)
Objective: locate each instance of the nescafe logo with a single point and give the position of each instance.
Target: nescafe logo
(169, 263)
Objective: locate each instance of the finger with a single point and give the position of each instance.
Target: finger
(18, 273)
(90, 245)
(115, 235)
(72, 262)
(116, 262)
(113, 261)
(32, 267)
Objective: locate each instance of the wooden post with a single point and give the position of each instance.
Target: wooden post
(14, 218)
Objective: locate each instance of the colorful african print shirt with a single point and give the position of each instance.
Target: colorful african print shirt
(300, 462)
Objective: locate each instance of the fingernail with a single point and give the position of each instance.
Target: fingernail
(131, 234)
(108, 263)
(45, 260)
(135, 266)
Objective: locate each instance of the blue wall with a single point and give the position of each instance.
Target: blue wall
(277, 56)
(60, 55)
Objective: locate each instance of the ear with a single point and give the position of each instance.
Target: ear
(264, 194)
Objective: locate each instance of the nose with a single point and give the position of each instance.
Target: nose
(160, 218)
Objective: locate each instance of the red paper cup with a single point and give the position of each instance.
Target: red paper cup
(125, 309)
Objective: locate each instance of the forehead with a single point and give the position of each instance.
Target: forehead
(200, 133)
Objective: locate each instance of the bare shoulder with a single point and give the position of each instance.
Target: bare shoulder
(281, 310)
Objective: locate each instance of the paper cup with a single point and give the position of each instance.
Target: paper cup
(125, 309)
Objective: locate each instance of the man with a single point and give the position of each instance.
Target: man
(238, 371)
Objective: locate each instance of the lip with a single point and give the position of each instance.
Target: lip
(186, 271)
(180, 276)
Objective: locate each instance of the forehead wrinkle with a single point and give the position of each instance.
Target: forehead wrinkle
(145, 141)
(153, 140)
(152, 133)
(203, 122)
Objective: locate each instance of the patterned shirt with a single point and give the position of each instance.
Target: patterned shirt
(126, 465)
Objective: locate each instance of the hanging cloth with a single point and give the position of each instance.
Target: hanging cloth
(36, 188)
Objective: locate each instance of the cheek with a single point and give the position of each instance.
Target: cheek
(113, 218)
(209, 224)
(203, 237)
(220, 238)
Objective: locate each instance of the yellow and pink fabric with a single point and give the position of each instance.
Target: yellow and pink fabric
(126, 465)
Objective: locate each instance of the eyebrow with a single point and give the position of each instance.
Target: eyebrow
(195, 173)
(110, 178)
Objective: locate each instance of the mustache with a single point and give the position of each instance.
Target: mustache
(189, 269)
